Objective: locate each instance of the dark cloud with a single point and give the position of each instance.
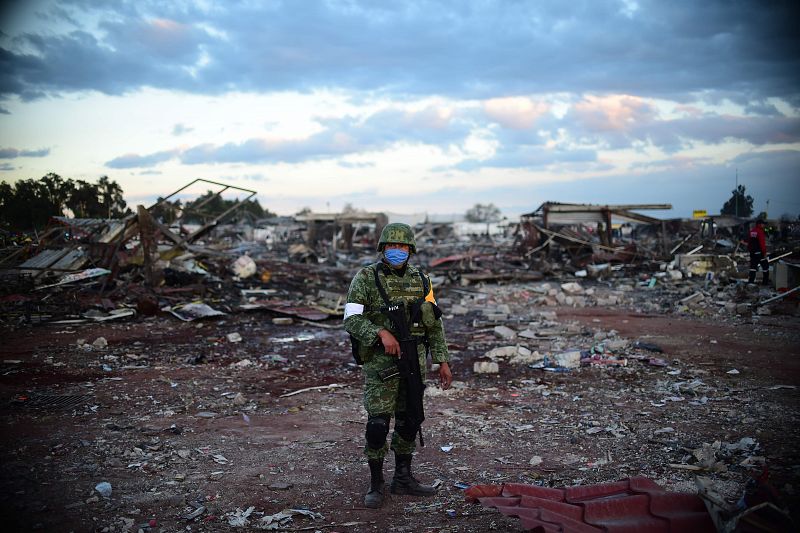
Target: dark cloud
(348, 135)
(6, 167)
(617, 127)
(716, 129)
(12, 153)
(43, 152)
(585, 128)
(136, 160)
(749, 49)
(767, 176)
(672, 163)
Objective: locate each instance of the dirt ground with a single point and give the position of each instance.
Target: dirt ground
(179, 419)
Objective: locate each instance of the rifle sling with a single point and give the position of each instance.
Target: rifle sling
(414, 404)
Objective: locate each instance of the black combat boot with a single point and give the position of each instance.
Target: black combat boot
(765, 281)
(374, 498)
(404, 483)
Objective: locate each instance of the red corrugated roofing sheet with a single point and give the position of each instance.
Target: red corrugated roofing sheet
(628, 506)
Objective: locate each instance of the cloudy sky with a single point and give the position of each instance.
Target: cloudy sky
(410, 106)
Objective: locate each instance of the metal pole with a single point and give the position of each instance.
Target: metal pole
(783, 295)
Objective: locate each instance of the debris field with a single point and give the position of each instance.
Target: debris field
(211, 386)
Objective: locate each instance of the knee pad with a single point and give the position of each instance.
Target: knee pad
(377, 429)
(404, 428)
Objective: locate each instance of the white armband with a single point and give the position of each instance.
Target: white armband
(352, 309)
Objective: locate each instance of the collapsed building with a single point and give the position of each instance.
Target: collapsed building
(156, 258)
(201, 285)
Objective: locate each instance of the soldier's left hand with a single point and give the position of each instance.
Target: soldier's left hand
(445, 376)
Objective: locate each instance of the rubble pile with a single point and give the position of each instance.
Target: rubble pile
(301, 266)
(165, 376)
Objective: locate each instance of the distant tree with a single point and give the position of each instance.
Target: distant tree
(304, 211)
(349, 209)
(483, 213)
(56, 189)
(29, 204)
(84, 201)
(254, 208)
(165, 211)
(111, 201)
(6, 199)
(211, 205)
(739, 204)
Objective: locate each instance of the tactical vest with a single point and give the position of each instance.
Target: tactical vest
(415, 307)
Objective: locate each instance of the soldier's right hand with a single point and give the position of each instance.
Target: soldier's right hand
(390, 344)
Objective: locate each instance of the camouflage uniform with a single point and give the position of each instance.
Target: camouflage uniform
(388, 398)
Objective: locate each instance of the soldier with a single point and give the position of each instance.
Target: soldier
(386, 348)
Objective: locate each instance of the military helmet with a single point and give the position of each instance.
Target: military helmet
(399, 234)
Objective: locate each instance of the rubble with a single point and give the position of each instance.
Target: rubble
(581, 357)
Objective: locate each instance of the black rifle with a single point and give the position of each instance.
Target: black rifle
(408, 362)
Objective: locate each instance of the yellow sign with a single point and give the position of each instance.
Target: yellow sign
(699, 213)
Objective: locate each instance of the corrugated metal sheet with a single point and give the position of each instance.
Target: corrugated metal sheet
(59, 258)
(102, 230)
(575, 218)
(74, 260)
(590, 217)
(631, 505)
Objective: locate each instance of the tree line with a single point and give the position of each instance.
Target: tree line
(206, 207)
(29, 204)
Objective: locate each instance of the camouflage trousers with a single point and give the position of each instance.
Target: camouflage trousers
(387, 399)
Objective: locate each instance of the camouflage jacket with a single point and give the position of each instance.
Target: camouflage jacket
(363, 318)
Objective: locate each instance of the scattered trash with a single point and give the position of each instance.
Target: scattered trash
(199, 510)
(100, 343)
(594, 392)
(239, 399)
(282, 519)
(80, 276)
(193, 311)
(650, 347)
(307, 389)
(244, 267)
(486, 367)
(239, 518)
(570, 359)
(104, 488)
